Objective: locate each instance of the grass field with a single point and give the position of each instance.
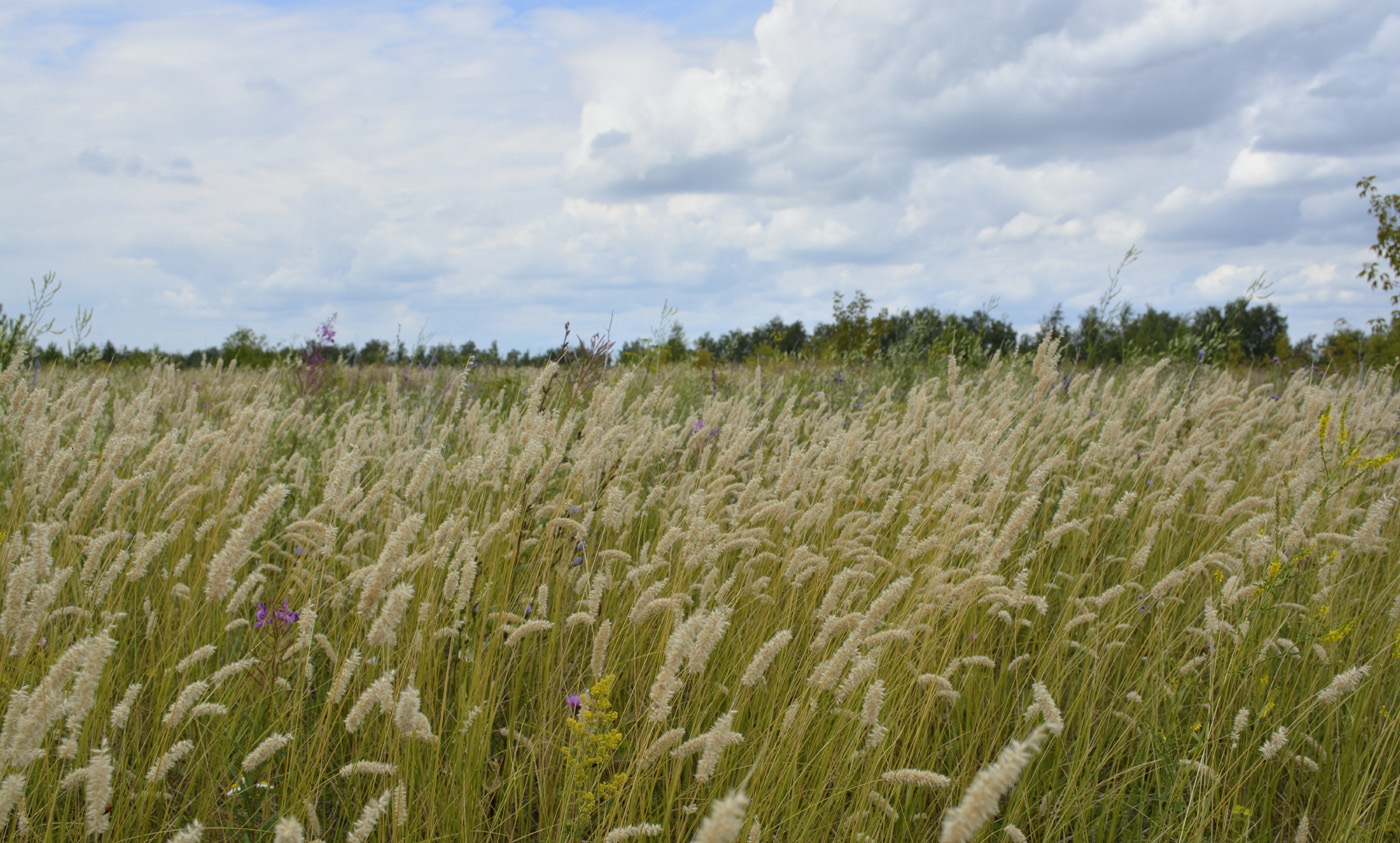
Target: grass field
(792, 604)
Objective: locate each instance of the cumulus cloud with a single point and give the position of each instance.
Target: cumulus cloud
(494, 172)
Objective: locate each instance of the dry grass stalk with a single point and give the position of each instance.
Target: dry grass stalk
(265, 750)
(981, 799)
(617, 835)
(725, 820)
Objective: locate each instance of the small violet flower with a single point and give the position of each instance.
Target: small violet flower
(284, 616)
(574, 701)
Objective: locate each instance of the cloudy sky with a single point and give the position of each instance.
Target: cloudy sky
(489, 170)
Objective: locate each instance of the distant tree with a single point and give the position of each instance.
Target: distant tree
(244, 345)
(855, 333)
(988, 334)
(1152, 334)
(674, 348)
(1053, 322)
(1343, 349)
(1386, 210)
(1254, 328)
(374, 351)
(1088, 340)
(777, 338)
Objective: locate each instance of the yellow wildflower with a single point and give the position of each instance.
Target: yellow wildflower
(596, 740)
(1342, 433)
(1322, 428)
(1337, 634)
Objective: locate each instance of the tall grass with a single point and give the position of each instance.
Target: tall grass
(775, 605)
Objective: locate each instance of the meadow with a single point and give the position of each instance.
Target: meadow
(791, 603)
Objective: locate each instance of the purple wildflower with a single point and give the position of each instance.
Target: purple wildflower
(574, 701)
(283, 616)
(698, 426)
(286, 616)
(325, 332)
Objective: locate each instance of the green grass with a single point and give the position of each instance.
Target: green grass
(1016, 503)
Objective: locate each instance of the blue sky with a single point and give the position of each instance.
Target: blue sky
(489, 170)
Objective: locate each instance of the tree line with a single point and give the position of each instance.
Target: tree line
(1242, 332)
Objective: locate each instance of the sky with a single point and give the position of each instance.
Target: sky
(453, 171)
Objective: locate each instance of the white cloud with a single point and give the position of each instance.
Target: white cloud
(1119, 229)
(1227, 281)
(1252, 168)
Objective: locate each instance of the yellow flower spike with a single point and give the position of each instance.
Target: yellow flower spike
(1342, 433)
(1337, 634)
(1375, 462)
(1322, 428)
